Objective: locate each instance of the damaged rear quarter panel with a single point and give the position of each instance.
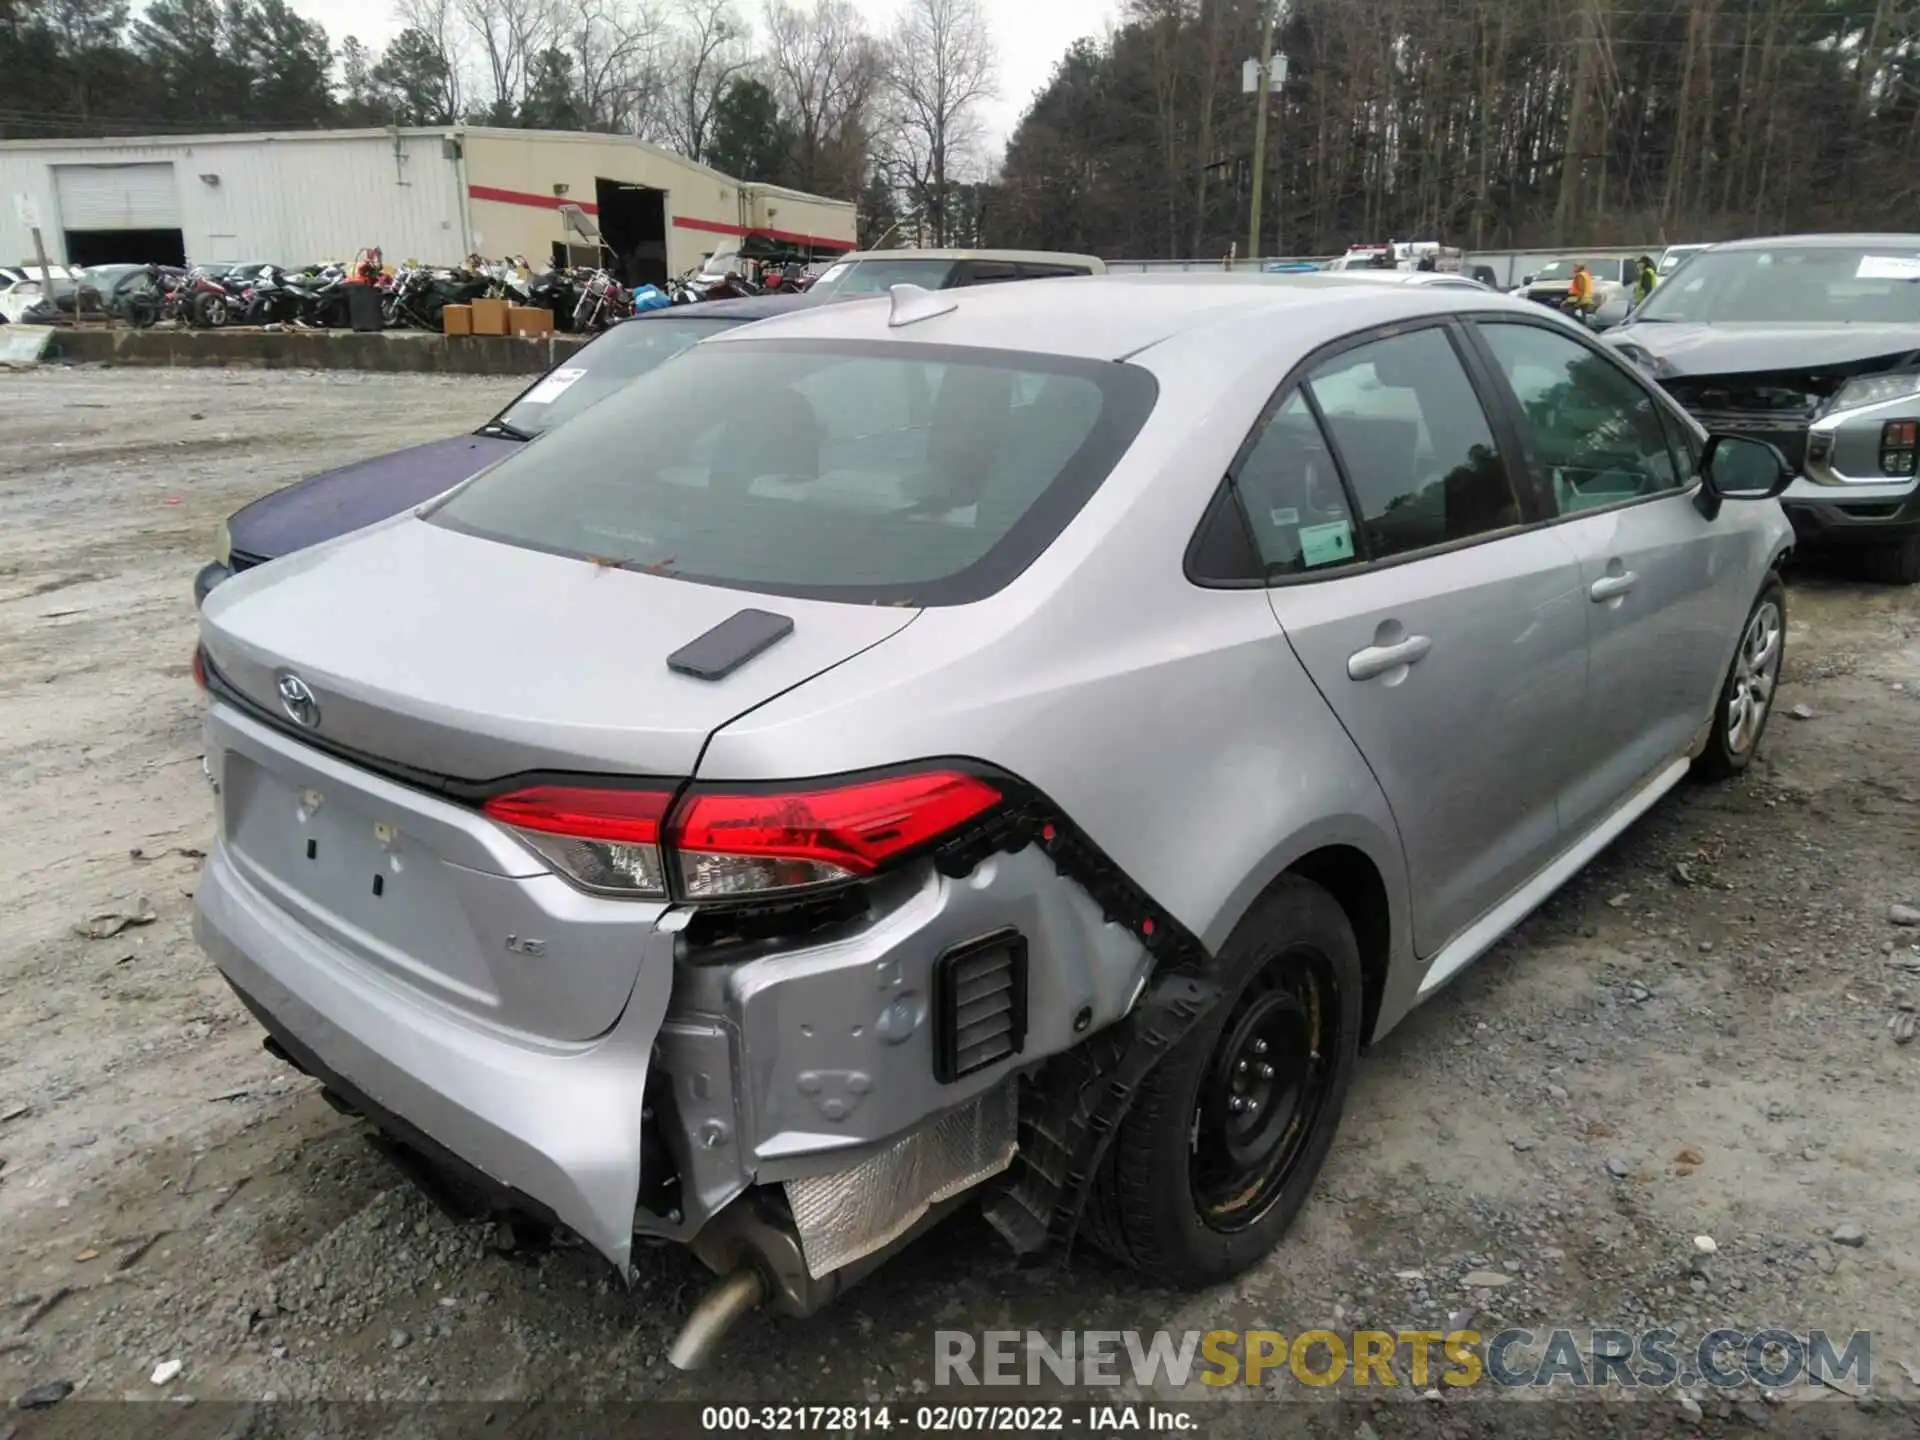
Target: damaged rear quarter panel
(837, 1039)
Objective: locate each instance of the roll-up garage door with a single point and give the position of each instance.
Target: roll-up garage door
(117, 197)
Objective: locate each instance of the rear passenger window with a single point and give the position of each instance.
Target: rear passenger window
(1290, 488)
(1415, 443)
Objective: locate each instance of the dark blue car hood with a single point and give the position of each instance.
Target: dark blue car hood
(337, 501)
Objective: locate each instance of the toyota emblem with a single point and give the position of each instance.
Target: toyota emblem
(297, 700)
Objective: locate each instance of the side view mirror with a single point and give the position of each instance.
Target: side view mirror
(1739, 467)
(1526, 279)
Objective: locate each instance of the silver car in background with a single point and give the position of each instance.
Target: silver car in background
(1023, 757)
(1812, 344)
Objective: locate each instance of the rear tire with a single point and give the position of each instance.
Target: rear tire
(1747, 695)
(1893, 562)
(210, 311)
(1197, 1188)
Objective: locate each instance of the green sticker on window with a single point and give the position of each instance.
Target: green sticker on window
(1326, 544)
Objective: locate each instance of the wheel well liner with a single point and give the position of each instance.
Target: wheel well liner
(1355, 883)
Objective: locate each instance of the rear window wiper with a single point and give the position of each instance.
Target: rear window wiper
(505, 431)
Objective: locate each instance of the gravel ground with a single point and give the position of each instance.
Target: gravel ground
(1696, 1038)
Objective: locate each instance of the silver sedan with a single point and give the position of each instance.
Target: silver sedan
(1015, 744)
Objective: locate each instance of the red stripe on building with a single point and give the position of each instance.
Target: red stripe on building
(521, 197)
(792, 237)
(681, 222)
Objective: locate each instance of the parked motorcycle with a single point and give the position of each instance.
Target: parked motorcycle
(603, 302)
(199, 300)
(267, 299)
(698, 285)
(419, 296)
(319, 296)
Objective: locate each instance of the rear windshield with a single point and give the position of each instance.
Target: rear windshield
(877, 276)
(624, 353)
(880, 473)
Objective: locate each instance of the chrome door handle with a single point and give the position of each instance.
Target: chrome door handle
(1377, 660)
(1611, 587)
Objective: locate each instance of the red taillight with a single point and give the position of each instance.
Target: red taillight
(606, 840)
(199, 667)
(630, 816)
(747, 844)
(736, 845)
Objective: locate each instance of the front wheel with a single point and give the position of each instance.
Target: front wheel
(1228, 1133)
(1752, 684)
(210, 310)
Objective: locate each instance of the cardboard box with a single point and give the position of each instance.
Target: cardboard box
(529, 320)
(457, 320)
(490, 317)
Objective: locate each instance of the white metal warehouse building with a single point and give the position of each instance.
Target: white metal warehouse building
(431, 195)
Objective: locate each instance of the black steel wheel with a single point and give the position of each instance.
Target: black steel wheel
(1227, 1135)
(1267, 1081)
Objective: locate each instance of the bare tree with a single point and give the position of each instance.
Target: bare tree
(940, 66)
(825, 68)
(440, 23)
(617, 52)
(508, 34)
(709, 50)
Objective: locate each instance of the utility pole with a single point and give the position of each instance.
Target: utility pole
(1260, 128)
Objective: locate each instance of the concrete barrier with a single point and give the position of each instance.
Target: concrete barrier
(388, 351)
(23, 346)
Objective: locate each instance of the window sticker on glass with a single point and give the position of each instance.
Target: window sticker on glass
(1326, 544)
(1282, 515)
(553, 387)
(1888, 267)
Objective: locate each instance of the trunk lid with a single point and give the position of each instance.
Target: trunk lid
(466, 658)
(434, 656)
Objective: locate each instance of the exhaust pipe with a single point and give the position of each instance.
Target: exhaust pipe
(719, 1310)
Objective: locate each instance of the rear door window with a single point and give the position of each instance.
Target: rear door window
(881, 473)
(1296, 508)
(1415, 443)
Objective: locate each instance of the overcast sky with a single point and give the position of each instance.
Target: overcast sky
(1032, 35)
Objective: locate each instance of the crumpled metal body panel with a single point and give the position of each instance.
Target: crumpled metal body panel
(847, 1215)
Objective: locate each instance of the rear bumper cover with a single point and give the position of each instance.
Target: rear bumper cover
(805, 1062)
(561, 1124)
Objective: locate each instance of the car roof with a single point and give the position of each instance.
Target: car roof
(1819, 242)
(1333, 278)
(1088, 317)
(752, 307)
